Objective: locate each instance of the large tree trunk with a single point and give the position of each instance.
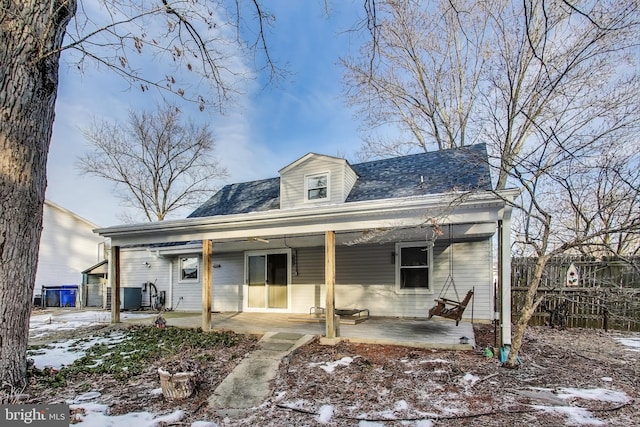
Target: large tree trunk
(29, 33)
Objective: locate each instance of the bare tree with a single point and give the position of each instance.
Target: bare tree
(196, 38)
(551, 86)
(421, 72)
(157, 163)
(460, 71)
(580, 195)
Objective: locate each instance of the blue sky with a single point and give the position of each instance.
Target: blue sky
(270, 128)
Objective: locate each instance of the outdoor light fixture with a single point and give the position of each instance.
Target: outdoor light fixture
(259, 239)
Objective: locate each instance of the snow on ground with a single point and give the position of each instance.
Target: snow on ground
(329, 367)
(580, 416)
(44, 324)
(633, 343)
(68, 351)
(94, 415)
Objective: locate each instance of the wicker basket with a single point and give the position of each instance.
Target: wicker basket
(177, 386)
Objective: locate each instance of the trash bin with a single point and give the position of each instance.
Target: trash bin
(67, 297)
(52, 297)
(60, 295)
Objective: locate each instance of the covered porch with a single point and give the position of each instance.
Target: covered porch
(467, 216)
(410, 332)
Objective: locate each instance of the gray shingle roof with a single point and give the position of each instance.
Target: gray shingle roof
(253, 196)
(461, 169)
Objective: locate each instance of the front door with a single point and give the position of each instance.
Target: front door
(267, 281)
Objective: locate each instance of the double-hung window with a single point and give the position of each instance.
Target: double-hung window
(189, 268)
(316, 187)
(413, 267)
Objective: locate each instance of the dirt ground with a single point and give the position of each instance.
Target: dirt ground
(373, 385)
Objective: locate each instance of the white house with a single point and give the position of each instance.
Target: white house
(389, 236)
(68, 246)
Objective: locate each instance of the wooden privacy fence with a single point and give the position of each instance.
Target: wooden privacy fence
(605, 294)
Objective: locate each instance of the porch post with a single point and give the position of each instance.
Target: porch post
(207, 283)
(504, 251)
(114, 280)
(330, 281)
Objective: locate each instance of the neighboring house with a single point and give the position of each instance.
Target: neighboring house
(68, 246)
(388, 233)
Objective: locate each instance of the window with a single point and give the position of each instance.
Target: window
(413, 272)
(189, 268)
(317, 187)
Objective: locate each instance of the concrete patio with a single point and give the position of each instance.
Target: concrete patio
(411, 332)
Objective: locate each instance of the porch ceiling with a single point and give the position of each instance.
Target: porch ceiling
(369, 236)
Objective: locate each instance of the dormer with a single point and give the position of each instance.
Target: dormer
(315, 179)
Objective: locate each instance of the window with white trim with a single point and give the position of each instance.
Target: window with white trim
(189, 268)
(316, 187)
(413, 267)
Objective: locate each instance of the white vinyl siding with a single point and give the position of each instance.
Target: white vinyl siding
(68, 246)
(365, 278)
(293, 183)
(227, 285)
(138, 266)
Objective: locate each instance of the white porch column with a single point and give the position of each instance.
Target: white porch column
(114, 281)
(330, 281)
(504, 260)
(207, 283)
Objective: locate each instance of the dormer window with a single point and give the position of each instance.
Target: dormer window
(317, 187)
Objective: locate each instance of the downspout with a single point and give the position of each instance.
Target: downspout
(170, 285)
(504, 251)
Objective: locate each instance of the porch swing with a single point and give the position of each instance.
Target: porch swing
(445, 307)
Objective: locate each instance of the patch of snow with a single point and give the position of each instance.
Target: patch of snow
(156, 391)
(42, 324)
(300, 404)
(632, 343)
(601, 394)
(325, 414)
(607, 379)
(204, 424)
(470, 379)
(364, 423)
(329, 367)
(66, 352)
(576, 416)
(88, 396)
(401, 405)
(95, 416)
